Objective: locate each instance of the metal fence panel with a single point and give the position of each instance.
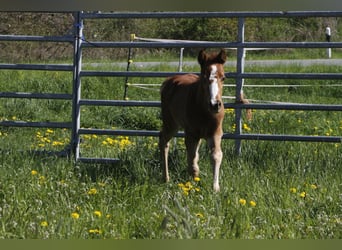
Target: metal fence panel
(239, 75)
(79, 42)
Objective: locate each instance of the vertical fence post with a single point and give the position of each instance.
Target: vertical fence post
(129, 62)
(240, 62)
(76, 92)
(180, 65)
(328, 38)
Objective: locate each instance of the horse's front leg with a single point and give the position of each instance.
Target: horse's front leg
(164, 152)
(216, 155)
(164, 146)
(192, 145)
(169, 128)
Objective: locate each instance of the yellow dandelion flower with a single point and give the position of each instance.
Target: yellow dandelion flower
(45, 139)
(293, 190)
(242, 201)
(95, 231)
(188, 185)
(124, 143)
(252, 203)
(75, 215)
(92, 191)
(34, 172)
(302, 194)
(181, 185)
(185, 192)
(199, 215)
(313, 186)
(245, 127)
(229, 111)
(98, 213)
(42, 179)
(87, 137)
(110, 141)
(44, 223)
(57, 143)
(101, 184)
(197, 179)
(62, 183)
(49, 131)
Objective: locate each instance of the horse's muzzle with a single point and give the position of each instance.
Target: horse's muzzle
(216, 107)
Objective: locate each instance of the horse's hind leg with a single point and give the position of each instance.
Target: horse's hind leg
(216, 155)
(192, 145)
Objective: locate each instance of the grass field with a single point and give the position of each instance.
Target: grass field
(274, 190)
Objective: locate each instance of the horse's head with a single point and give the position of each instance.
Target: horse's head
(212, 76)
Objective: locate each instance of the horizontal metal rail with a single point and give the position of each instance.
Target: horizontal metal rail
(301, 138)
(36, 124)
(119, 132)
(286, 106)
(45, 67)
(259, 45)
(119, 103)
(304, 76)
(217, 14)
(128, 73)
(98, 160)
(270, 106)
(24, 38)
(249, 85)
(35, 95)
(263, 137)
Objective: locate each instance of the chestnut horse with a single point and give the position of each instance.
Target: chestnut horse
(195, 103)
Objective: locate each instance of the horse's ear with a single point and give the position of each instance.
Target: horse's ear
(222, 56)
(202, 57)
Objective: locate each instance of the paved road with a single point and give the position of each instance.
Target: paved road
(306, 62)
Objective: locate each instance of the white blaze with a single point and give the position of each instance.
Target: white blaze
(213, 87)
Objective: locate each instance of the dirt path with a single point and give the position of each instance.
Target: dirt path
(267, 63)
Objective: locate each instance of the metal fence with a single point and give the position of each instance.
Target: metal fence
(67, 39)
(240, 45)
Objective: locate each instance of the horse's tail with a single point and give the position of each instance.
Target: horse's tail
(249, 111)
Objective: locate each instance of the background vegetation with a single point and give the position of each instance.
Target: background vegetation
(214, 29)
(274, 190)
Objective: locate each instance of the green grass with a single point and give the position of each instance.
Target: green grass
(273, 190)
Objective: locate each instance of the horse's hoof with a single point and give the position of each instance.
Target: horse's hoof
(216, 188)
